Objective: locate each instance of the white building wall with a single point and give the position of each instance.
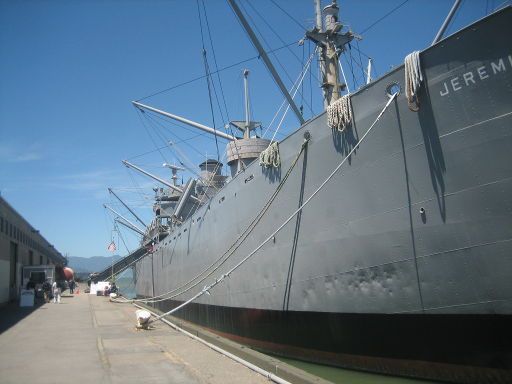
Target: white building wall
(15, 229)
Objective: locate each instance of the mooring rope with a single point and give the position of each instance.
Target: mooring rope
(234, 246)
(206, 289)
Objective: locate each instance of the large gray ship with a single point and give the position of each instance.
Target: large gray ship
(377, 236)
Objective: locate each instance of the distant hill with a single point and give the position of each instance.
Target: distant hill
(82, 265)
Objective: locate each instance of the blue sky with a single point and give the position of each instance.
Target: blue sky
(69, 70)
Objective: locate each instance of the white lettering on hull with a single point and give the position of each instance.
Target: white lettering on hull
(468, 76)
(481, 73)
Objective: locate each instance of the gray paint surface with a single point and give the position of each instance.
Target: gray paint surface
(363, 246)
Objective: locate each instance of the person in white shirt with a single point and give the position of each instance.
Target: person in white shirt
(56, 293)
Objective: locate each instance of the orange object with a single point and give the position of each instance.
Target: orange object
(68, 273)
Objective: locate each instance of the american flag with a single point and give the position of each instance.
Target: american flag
(112, 247)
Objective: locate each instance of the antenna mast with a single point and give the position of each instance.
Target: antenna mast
(246, 91)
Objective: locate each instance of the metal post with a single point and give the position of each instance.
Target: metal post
(318, 14)
(130, 227)
(246, 91)
(135, 228)
(446, 22)
(186, 121)
(321, 51)
(127, 207)
(369, 72)
(183, 199)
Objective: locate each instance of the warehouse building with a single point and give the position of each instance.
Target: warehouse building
(20, 245)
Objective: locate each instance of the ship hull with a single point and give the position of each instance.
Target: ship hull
(452, 348)
(407, 245)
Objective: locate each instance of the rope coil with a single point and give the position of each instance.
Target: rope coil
(413, 79)
(270, 156)
(339, 114)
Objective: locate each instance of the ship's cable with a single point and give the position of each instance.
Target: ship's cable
(269, 26)
(207, 288)
(290, 16)
(264, 41)
(230, 251)
(294, 89)
(343, 74)
(383, 17)
(120, 236)
(257, 57)
(360, 60)
(217, 72)
(297, 86)
(351, 64)
(139, 114)
(172, 144)
(374, 67)
(209, 82)
(216, 67)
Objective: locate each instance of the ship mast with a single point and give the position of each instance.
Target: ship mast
(247, 125)
(174, 169)
(331, 44)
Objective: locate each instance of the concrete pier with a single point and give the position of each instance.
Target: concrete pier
(89, 339)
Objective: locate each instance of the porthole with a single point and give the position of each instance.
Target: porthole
(393, 88)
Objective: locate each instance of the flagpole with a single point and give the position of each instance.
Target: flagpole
(112, 248)
(112, 260)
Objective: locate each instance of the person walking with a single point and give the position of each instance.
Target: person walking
(71, 286)
(47, 288)
(56, 293)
